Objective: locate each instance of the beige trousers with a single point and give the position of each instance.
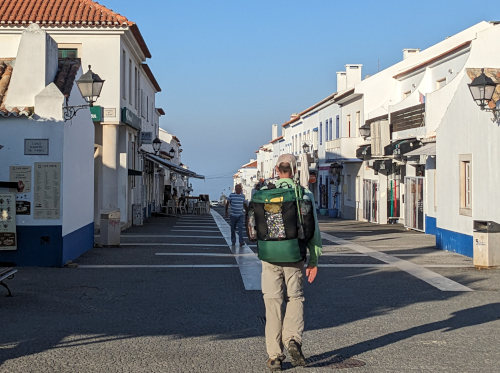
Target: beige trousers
(283, 282)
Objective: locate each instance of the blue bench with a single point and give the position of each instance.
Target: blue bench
(6, 273)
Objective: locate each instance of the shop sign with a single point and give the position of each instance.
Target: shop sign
(8, 239)
(146, 137)
(47, 190)
(36, 146)
(131, 119)
(96, 113)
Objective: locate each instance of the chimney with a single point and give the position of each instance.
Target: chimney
(408, 52)
(35, 67)
(274, 132)
(341, 81)
(353, 75)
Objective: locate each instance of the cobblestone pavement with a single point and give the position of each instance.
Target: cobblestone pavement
(172, 298)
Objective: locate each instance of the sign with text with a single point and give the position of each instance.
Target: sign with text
(96, 113)
(8, 239)
(22, 176)
(47, 190)
(146, 137)
(36, 146)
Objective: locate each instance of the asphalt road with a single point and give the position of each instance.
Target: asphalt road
(174, 298)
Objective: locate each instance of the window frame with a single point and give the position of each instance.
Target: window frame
(465, 184)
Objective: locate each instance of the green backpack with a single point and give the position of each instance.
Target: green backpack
(282, 222)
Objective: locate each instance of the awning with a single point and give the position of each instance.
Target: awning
(401, 147)
(426, 149)
(172, 166)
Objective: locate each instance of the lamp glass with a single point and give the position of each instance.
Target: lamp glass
(90, 86)
(156, 145)
(482, 89)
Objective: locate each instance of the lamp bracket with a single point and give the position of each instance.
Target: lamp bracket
(70, 111)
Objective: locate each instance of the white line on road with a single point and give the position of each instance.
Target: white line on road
(158, 266)
(250, 266)
(432, 278)
(172, 244)
(165, 235)
(196, 230)
(203, 254)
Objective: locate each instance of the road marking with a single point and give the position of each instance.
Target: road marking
(172, 244)
(250, 266)
(203, 254)
(347, 265)
(196, 226)
(158, 266)
(166, 236)
(432, 278)
(197, 230)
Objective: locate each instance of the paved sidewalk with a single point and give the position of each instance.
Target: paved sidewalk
(173, 298)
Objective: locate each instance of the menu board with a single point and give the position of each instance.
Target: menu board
(47, 190)
(22, 176)
(8, 221)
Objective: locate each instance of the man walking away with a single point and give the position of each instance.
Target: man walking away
(282, 275)
(237, 203)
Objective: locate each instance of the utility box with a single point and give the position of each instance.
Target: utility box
(110, 228)
(486, 238)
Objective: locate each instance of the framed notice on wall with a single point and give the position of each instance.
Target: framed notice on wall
(47, 190)
(22, 176)
(8, 238)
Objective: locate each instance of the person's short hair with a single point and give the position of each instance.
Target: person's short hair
(285, 168)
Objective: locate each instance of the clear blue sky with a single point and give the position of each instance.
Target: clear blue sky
(229, 69)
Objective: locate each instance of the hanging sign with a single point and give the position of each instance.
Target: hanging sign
(8, 239)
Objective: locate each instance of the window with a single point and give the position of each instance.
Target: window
(337, 127)
(130, 81)
(406, 94)
(320, 133)
(326, 130)
(300, 144)
(136, 89)
(358, 119)
(440, 83)
(147, 108)
(465, 161)
(330, 130)
(123, 75)
(349, 125)
(67, 52)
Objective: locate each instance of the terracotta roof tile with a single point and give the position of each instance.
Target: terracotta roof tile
(6, 68)
(66, 73)
(66, 12)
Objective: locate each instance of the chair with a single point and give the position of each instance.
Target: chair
(171, 209)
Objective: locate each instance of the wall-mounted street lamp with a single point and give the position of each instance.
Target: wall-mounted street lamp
(364, 130)
(306, 147)
(156, 145)
(482, 89)
(90, 86)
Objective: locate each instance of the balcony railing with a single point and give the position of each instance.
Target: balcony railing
(344, 147)
(411, 117)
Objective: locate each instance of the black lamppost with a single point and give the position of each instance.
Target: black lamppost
(90, 86)
(482, 89)
(156, 145)
(364, 131)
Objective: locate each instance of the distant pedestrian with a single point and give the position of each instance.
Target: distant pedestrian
(238, 204)
(286, 226)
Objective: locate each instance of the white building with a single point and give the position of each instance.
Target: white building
(51, 158)
(115, 49)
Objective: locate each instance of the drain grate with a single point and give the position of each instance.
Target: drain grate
(337, 362)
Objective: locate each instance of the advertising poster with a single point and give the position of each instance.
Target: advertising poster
(8, 239)
(47, 190)
(22, 176)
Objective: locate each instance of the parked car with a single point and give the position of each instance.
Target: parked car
(214, 203)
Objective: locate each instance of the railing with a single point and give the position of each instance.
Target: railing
(344, 147)
(411, 117)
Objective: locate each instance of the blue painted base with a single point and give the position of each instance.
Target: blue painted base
(44, 246)
(430, 225)
(453, 241)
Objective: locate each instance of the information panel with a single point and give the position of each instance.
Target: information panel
(47, 190)
(8, 238)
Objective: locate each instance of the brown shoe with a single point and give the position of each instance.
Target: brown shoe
(274, 365)
(296, 356)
